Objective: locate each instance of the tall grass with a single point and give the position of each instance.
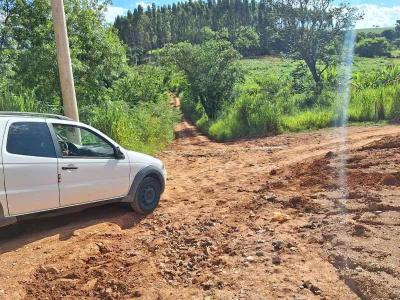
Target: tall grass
(23, 101)
(134, 112)
(375, 103)
(146, 127)
(249, 116)
(309, 119)
(280, 98)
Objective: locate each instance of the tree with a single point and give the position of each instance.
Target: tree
(98, 57)
(389, 34)
(312, 29)
(397, 28)
(210, 68)
(373, 47)
(246, 40)
(7, 10)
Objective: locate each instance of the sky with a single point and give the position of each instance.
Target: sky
(382, 13)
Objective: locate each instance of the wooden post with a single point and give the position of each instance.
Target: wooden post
(64, 60)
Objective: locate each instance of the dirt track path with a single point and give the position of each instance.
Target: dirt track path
(210, 238)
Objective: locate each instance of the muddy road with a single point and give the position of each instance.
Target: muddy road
(254, 219)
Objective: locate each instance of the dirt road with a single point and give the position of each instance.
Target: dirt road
(254, 219)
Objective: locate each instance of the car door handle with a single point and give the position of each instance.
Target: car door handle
(69, 168)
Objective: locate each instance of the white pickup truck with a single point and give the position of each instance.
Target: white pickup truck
(50, 162)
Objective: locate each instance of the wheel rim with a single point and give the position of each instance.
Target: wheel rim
(148, 195)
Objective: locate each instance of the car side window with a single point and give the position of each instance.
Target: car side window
(31, 139)
(79, 142)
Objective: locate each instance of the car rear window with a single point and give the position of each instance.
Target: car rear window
(31, 139)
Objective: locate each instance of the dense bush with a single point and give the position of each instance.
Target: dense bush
(129, 104)
(248, 116)
(372, 47)
(271, 104)
(142, 84)
(211, 71)
(146, 127)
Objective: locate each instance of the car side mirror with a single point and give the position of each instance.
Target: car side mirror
(118, 153)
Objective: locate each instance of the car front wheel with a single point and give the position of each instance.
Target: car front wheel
(147, 196)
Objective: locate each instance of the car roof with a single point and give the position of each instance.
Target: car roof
(10, 114)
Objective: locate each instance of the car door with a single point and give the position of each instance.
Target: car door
(30, 167)
(89, 170)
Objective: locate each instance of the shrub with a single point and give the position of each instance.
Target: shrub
(146, 127)
(210, 68)
(142, 84)
(372, 104)
(248, 116)
(11, 100)
(372, 47)
(309, 119)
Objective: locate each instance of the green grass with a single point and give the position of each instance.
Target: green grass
(365, 64)
(308, 119)
(268, 101)
(376, 30)
(261, 66)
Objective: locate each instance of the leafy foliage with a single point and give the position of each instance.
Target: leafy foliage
(371, 47)
(210, 68)
(97, 54)
(147, 127)
(130, 104)
(313, 30)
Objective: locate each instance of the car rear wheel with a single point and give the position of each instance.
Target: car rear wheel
(147, 196)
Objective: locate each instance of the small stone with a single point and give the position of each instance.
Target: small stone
(103, 248)
(53, 270)
(359, 269)
(259, 253)
(42, 269)
(280, 217)
(271, 198)
(273, 172)
(315, 290)
(278, 245)
(249, 258)
(131, 253)
(137, 294)
(276, 260)
(360, 230)
(330, 155)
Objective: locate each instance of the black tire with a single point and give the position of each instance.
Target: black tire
(147, 196)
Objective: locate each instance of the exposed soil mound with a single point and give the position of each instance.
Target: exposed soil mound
(388, 142)
(391, 179)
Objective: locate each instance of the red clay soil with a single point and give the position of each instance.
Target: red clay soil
(253, 219)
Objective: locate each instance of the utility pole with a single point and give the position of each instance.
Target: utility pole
(64, 60)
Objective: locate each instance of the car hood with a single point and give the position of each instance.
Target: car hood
(137, 157)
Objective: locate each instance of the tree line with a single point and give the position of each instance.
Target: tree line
(247, 24)
(372, 44)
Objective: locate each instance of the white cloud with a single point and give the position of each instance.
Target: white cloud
(378, 15)
(112, 12)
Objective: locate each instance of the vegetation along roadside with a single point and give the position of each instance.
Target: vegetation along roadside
(238, 71)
